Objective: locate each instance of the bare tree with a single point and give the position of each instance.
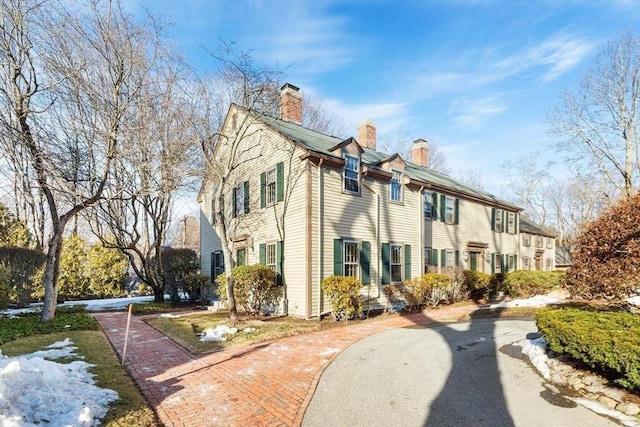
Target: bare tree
(527, 183)
(154, 165)
(598, 123)
(256, 90)
(317, 116)
(69, 78)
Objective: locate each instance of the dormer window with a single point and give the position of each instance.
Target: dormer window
(351, 177)
(396, 186)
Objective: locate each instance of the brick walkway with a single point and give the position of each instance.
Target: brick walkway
(266, 384)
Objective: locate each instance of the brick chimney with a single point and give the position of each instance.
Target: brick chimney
(290, 103)
(420, 152)
(367, 134)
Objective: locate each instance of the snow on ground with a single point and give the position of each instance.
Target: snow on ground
(92, 304)
(35, 391)
(536, 301)
(634, 300)
(219, 333)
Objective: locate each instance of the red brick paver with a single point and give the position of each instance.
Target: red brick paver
(266, 384)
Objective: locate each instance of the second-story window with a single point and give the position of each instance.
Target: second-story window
(396, 186)
(498, 221)
(351, 176)
(526, 239)
(270, 186)
(449, 212)
(240, 199)
(511, 223)
(538, 241)
(549, 243)
(428, 205)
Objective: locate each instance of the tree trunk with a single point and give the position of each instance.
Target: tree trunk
(51, 272)
(233, 310)
(158, 294)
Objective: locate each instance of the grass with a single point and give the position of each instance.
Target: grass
(185, 329)
(131, 409)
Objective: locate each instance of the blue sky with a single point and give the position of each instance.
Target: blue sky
(477, 77)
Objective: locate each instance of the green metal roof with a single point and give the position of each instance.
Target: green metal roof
(320, 143)
(528, 226)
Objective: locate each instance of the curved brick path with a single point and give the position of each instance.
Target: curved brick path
(266, 384)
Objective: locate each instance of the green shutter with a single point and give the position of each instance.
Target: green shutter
(337, 258)
(279, 262)
(263, 189)
(263, 253)
(434, 207)
(213, 265)
(457, 258)
(280, 181)
(365, 257)
(443, 207)
(386, 268)
(515, 262)
(505, 221)
(443, 257)
(493, 219)
(234, 213)
(246, 197)
(407, 262)
(493, 263)
(517, 222)
(434, 257)
(456, 218)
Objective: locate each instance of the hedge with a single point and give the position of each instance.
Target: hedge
(605, 340)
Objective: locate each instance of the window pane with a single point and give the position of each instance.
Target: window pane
(351, 174)
(449, 210)
(351, 259)
(271, 186)
(427, 205)
(396, 273)
(271, 256)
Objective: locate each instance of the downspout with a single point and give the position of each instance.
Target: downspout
(320, 237)
(421, 222)
(377, 231)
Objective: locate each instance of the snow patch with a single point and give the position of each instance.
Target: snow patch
(219, 333)
(537, 351)
(536, 301)
(35, 391)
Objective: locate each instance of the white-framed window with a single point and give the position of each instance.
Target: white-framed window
(526, 239)
(351, 177)
(270, 186)
(497, 263)
(549, 243)
(449, 258)
(271, 256)
(351, 261)
(396, 263)
(396, 186)
(217, 264)
(512, 262)
(511, 223)
(497, 224)
(428, 261)
(538, 241)
(548, 264)
(526, 263)
(427, 202)
(449, 210)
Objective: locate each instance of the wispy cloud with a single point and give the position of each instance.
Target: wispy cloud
(470, 113)
(554, 57)
(388, 117)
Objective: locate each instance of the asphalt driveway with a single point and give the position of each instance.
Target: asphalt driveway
(463, 374)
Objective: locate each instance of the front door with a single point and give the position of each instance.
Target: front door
(240, 256)
(473, 261)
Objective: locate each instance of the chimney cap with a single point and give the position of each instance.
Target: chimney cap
(289, 85)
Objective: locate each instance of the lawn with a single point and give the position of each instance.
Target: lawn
(185, 329)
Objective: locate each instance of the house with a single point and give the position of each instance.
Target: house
(537, 246)
(311, 205)
(563, 257)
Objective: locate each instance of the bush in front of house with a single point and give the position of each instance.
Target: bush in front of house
(344, 294)
(477, 284)
(528, 283)
(194, 285)
(605, 340)
(254, 287)
(456, 290)
(429, 290)
(605, 262)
